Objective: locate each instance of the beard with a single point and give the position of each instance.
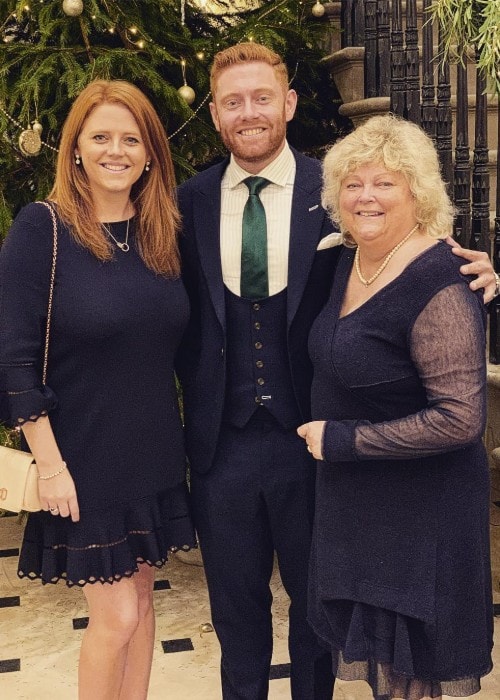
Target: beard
(263, 151)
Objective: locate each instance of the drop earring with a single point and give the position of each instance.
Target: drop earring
(77, 159)
(146, 167)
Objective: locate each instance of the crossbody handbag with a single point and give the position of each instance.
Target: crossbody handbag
(18, 472)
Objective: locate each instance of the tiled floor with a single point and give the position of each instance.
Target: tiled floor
(41, 628)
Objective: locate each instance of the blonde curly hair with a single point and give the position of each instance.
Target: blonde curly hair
(400, 146)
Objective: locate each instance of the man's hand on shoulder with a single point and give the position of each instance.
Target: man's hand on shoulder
(480, 265)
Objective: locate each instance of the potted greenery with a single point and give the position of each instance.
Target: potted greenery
(472, 23)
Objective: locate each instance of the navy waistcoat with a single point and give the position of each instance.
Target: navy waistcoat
(258, 371)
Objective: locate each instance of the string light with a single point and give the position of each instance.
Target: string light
(193, 115)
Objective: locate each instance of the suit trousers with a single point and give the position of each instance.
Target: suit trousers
(258, 499)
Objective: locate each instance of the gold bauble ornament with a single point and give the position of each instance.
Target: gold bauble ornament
(37, 127)
(30, 142)
(187, 93)
(72, 8)
(318, 9)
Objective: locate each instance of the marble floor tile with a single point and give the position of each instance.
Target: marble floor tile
(41, 629)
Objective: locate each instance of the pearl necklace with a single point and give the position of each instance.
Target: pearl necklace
(122, 246)
(385, 261)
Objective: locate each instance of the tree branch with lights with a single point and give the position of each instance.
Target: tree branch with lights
(51, 49)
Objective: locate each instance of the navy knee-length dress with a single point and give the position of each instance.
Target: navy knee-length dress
(110, 396)
(400, 585)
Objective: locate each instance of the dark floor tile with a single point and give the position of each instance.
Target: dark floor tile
(172, 645)
(80, 623)
(8, 665)
(162, 586)
(279, 671)
(9, 552)
(10, 602)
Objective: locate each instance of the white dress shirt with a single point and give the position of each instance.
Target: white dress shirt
(277, 201)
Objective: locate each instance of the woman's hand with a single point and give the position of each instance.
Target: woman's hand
(56, 487)
(313, 435)
(479, 265)
(58, 495)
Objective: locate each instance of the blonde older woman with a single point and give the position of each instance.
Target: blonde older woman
(400, 585)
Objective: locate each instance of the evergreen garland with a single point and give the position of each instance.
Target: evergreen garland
(47, 57)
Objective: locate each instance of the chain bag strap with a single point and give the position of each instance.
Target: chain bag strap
(51, 289)
(18, 473)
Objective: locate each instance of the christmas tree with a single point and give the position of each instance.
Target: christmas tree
(51, 49)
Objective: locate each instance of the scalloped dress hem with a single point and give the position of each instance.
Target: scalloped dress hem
(109, 543)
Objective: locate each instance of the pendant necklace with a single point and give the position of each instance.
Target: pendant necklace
(385, 261)
(122, 246)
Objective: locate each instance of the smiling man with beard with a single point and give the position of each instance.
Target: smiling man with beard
(245, 370)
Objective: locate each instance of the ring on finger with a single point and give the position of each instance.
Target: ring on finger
(54, 510)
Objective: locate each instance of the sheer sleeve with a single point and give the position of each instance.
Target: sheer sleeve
(447, 345)
(25, 264)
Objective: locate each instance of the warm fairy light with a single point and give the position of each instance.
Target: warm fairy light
(111, 30)
(133, 30)
(140, 44)
(200, 55)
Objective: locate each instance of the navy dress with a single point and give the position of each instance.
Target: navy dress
(400, 585)
(110, 395)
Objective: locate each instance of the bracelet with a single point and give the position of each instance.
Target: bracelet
(51, 476)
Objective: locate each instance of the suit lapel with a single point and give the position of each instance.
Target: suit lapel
(207, 205)
(306, 225)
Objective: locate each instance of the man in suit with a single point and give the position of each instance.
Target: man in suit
(246, 374)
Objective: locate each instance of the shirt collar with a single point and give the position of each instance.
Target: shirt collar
(280, 171)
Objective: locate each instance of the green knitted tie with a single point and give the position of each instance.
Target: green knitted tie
(254, 279)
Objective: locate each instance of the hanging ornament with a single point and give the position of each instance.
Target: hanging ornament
(187, 93)
(30, 141)
(72, 8)
(318, 9)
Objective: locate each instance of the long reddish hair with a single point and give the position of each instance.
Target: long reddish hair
(153, 195)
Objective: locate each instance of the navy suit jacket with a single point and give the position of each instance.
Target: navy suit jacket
(201, 362)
